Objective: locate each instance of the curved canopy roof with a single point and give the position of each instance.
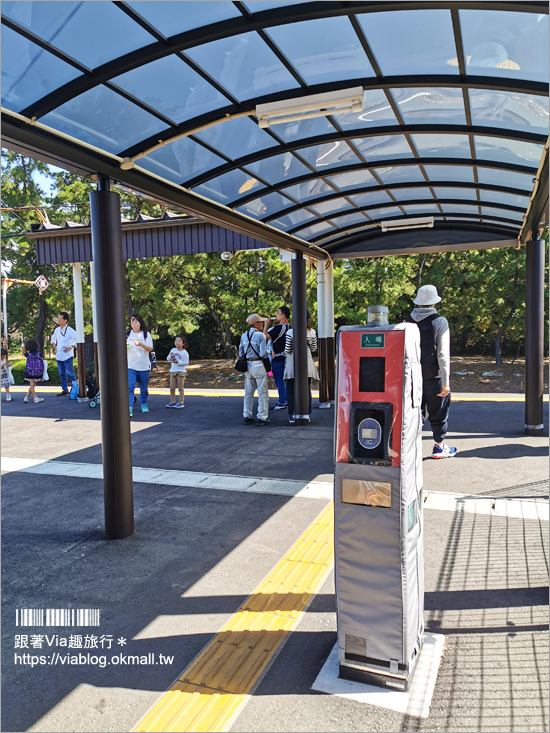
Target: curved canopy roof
(452, 121)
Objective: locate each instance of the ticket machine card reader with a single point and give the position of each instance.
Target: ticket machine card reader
(370, 434)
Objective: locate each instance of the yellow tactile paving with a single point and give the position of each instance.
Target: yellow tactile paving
(209, 692)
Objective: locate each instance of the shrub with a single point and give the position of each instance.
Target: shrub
(18, 371)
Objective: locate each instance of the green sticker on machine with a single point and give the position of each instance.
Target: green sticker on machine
(372, 340)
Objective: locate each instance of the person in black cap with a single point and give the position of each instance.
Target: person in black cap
(312, 372)
(435, 358)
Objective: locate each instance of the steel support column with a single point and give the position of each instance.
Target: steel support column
(325, 323)
(534, 335)
(299, 330)
(94, 324)
(111, 319)
(79, 323)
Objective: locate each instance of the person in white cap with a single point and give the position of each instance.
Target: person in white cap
(253, 347)
(435, 348)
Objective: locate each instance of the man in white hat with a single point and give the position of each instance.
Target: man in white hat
(435, 347)
(253, 347)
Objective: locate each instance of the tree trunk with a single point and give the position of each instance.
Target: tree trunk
(498, 354)
(421, 263)
(41, 325)
(127, 296)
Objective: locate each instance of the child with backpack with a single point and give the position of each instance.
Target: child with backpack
(5, 375)
(34, 369)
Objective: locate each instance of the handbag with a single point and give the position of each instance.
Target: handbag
(241, 365)
(45, 375)
(11, 380)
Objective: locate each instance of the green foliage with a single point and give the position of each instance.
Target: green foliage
(208, 299)
(18, 371)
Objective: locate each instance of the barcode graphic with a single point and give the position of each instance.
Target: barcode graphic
(57, 617)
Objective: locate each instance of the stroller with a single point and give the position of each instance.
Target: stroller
(92, 391)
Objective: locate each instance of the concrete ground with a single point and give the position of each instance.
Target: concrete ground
(199, 552)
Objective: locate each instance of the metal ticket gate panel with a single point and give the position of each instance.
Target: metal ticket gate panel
(379, 558)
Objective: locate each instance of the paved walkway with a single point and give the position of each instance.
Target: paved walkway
(221, 510)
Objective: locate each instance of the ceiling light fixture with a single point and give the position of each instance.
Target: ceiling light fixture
(421, 222)
(315, 105)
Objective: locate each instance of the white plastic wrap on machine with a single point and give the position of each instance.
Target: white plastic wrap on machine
(379, 543)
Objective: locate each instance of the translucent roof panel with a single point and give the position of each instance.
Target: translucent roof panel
(173, 88)
(510, 179)
(509, 110)
(229, 187)
(459, 209)
(505, 44)
(323, 50)
(303, 129)
(376, 111)
(329, 155)
(449, 173)
(278, 167)
(512, 225)
(294, 219)
(373, 198)
(504, 213)
(244, 65)
(29, 72)
(258, 6)
(383, 147)
(353, 179)
(161, 14)
(109, 32)
(266, 205)
(442, 146)
(409, 194)
(400, 174)
(509, 199)
(328, 207)
(387, 212)
(308, 190)
(443, 192)
(505, 150)
(421, 209)
(184, 157)
(237, 138)
(315, 230)
(349, 219)
(397, 49)
(425, 105)
(104, 119)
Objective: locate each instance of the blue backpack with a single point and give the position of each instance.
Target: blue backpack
(35, 365)
(73, 394)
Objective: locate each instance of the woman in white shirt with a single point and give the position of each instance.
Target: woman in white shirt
(139, 343)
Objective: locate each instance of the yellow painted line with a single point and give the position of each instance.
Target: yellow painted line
(210, 690)
(196, 392)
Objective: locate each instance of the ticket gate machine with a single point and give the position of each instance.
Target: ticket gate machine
(379, 553)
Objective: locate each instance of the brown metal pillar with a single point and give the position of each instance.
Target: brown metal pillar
(299, 330)
(113, 365)
(534, 335)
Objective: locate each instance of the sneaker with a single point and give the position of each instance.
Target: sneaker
(291, 421)
(61, 394)
(144, 408)
(262, 422)
(171, 404)
(248, 421)
(278, 406)
(8, 398)
(442, 450)
(38, 399)
(179, 405)
(25, 399)
(131, 412)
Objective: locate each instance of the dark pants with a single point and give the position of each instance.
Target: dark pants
(290, 395)
(278, 369)
(436, 407)
(65, 369)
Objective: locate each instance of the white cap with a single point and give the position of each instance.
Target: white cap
(427, 295)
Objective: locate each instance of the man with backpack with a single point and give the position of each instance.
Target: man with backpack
(277, 335)
(435, 349)
(64, 340)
